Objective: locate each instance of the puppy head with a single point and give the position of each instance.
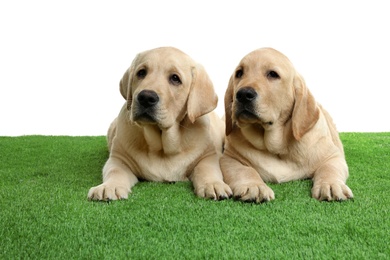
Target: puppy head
(164, 85)
(266, 90)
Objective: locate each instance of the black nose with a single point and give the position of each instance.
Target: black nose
(246, 95)
(148, 98)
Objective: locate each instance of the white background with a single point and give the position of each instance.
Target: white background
(61, 61)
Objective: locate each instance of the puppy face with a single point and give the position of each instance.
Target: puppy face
(164, 85)
(265, 89)
(261, 89)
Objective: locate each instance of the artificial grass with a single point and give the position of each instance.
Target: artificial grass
(45, 213)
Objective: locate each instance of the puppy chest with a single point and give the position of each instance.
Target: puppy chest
(272, 168)
(157, 168)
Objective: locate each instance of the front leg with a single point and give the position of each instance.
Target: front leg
(208, 180)
(329, 181)
(117, 182)
(244, 181)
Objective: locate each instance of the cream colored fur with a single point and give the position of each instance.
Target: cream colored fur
(281, 135)
(176, 139)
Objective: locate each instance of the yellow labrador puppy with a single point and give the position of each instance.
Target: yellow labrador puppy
(165, 131)
(277, 132)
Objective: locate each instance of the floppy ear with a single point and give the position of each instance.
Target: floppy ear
(228, 107)
(202, 98)
(306, 112)
(124, 84)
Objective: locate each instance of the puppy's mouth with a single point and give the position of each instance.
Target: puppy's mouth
(144, 118)
(246, 112)
(248, 116)
(147, 116)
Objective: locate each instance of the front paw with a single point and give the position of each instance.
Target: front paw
(107, 192)
(330, 191)
(253, 192)
(217, 190)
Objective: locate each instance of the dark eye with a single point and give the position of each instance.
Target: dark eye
(273, 75)
(175, 80)
(239, 73)
(141, 73)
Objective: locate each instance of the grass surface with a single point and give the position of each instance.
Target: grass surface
(45, 213)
